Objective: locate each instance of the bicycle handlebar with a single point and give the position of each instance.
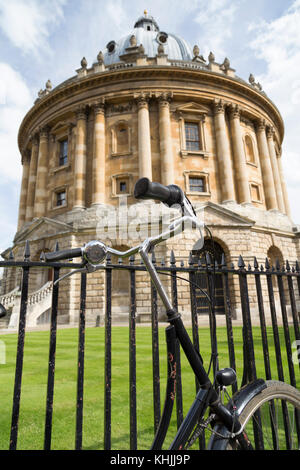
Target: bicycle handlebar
(63, 254)
(169, 195)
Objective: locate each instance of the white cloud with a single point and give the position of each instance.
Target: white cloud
(16, 100)
(216, 19)
(26, 23)
(278, 44)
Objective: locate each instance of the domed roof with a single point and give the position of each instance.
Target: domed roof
(147, 33)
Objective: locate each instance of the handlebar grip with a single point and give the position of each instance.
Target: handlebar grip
(145, 189)
(63, 254)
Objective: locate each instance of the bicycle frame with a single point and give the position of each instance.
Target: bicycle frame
(207, 395)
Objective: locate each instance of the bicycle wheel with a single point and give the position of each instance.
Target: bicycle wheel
(271, 420)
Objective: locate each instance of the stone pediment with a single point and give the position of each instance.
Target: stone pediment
(192, 108)
(42, 228)
(216, 215)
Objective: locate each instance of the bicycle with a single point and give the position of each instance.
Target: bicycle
(256, 405)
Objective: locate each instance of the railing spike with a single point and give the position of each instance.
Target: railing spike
(241, 263)
(172, 258)
(190, 259)
(255, 263)
(56, 246)
(27, 250)
(262, 267)
(267, 264)
(232, 266)
(297, 266)
(182, 263)
(153, 257)
(162, 263)
(277, 264)
(287, 264)
(108, 258)
(223, 261)
(249, 267)
(131, 260)
(120, 261)
(208, 259)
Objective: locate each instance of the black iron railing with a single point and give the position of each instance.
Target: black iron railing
(233, 283)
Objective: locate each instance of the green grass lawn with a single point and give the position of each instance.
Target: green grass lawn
(34, 385)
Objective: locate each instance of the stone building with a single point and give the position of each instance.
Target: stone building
(150, 106)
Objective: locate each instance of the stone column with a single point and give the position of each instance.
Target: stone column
(266, 168)
(239, 156)
(98, 195)
(283, 187)
(276, 176)
(80, 159)
(32, 178)
(223, 153)
(144, 139)
(24, 188)
(42, 176)
(165, 138)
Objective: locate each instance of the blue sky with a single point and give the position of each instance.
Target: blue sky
(42, 39)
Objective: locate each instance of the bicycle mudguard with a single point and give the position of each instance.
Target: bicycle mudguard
(239, 401)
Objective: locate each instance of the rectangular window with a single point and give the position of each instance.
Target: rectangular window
(61, 198)
(197, 184)
(192, 136)
(63, 152)
(255, 193)
(122, 187)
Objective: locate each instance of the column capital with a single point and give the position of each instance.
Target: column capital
(260, 124)
(270, 132)
(234, 111)
(81, 112)
(142, 99)
(44, 132)
(99, 106)
(34, 139)
(26, 156)
(164, 98)
(219, 107)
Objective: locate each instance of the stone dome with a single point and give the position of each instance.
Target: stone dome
(147, 33)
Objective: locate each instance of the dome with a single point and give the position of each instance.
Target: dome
(147, 33)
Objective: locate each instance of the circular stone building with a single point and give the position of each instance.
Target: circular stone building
(149, 106)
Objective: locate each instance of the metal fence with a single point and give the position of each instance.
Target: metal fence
(239, 288)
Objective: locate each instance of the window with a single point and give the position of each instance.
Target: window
(122, 187)
(120, 139)
(250, 157)
(255, 192)
(192, 136)
(63, 152)
(197, 184)
(61, 198)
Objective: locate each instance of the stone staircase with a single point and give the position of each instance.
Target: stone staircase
(38, 303)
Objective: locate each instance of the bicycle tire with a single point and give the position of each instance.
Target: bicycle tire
(271, 420)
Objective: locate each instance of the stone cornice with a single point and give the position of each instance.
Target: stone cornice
(74, 91)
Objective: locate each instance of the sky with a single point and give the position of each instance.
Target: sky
(46, 39)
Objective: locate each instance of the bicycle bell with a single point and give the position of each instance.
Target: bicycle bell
(94, 252)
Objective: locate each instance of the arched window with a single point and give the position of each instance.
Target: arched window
(249, 150)
(215, 251)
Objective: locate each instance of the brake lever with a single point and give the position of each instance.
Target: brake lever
(88, 268)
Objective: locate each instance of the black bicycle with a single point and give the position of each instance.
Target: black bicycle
(261, 415)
